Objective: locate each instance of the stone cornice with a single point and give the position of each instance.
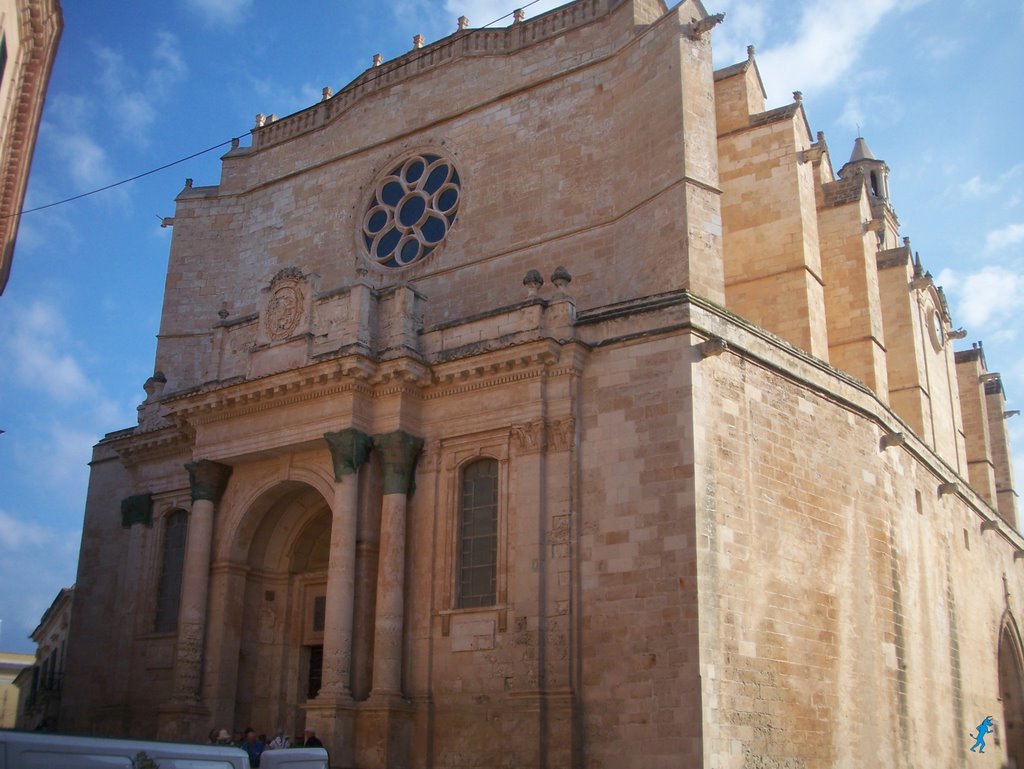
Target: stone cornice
(353, 373)
(134, 448)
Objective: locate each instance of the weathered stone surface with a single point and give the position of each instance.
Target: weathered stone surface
(707, 548)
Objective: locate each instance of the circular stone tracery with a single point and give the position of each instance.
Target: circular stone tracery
(413, 208)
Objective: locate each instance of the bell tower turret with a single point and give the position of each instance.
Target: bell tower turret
(875, 174)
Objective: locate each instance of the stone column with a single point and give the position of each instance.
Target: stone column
(398, 453)
(349, 449)
(179, 719)
(208, 480)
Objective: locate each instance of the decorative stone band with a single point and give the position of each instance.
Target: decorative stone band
(208, 479)
(398, 454)
(137, 509)
(349, 449)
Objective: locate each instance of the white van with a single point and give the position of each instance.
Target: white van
(37, 750)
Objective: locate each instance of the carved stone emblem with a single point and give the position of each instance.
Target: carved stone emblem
(286, 306)
(284, 311)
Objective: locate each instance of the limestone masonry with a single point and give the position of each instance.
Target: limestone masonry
(541, 400)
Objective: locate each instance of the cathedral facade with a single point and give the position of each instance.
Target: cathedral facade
(540, 399)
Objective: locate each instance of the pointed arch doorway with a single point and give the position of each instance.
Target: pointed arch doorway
(1011, 692)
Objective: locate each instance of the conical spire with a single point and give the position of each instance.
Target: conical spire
(861, 151)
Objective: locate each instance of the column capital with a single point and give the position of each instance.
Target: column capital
(349, 449)
(398, 453)
(137, 508)
(208, 479)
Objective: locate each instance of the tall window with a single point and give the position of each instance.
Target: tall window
(169, 591)
(478, 534)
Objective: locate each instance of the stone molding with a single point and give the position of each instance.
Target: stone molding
(541, 435)
(529, 437)
(398, 453)
(208, 479)
(349, 449)
(142, 447)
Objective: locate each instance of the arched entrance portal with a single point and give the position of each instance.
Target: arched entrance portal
(1011, 693)
(280, 648)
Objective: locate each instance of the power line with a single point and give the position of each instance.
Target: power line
(235, 139)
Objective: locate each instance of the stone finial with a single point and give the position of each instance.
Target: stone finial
(326, 93)
(271, 118)
(234, 143)
(798, 96)
(750, 52)
(821, 137)
(377, 60)
(154, 386)
(533, 281)
(417, 41)
(518, 15)
(463, 22)
(188, 183)
(261, 120)
(561, 277)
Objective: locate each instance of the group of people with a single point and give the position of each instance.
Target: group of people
(254, 744)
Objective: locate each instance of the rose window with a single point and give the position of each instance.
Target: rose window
(413, 208)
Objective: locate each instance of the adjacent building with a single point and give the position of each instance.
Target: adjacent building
(542, 399)
(41, 683)
(29, 32)
(11, 666)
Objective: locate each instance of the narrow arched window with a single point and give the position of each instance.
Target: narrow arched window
(169, 590)
(478, 534)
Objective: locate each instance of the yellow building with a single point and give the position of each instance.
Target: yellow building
(541, 399)
(29, 32)
(11, 664)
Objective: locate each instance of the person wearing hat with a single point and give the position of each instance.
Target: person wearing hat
(223, 737)
(311, 741)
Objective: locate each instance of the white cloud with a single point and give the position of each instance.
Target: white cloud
(16, 534)
(87, 162)
(133, 96)
(220, 12)
(58, 456)
(975, 187)
(50, 556)
(986, 299)
(829, 39)
(1010, 235)
(37, 346)
(170, 64)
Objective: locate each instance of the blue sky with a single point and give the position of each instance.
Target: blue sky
(936, 89)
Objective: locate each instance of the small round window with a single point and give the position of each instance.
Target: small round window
(935, 330)
(412, 209)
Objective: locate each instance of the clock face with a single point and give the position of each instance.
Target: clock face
(412, 209)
